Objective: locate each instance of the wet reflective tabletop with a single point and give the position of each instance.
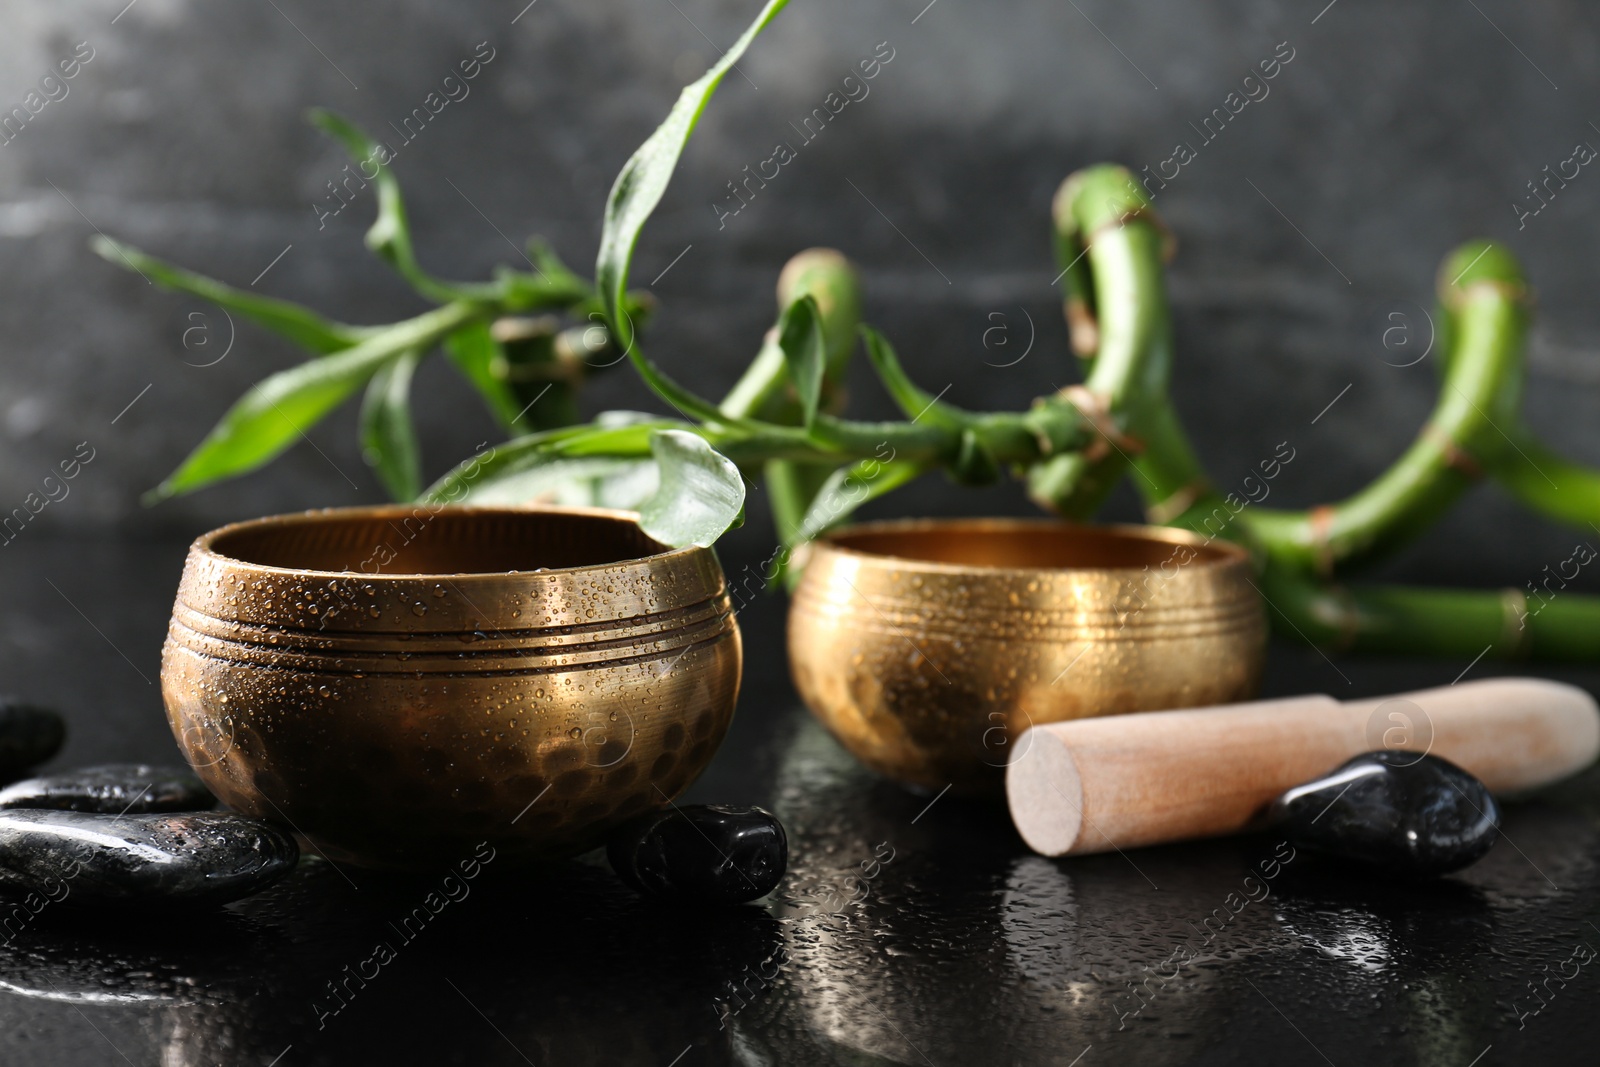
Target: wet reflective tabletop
(911, 929)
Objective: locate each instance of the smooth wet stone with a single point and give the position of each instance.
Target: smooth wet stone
(708, 853)
(112, 789)
(29, 735)
(197, 859)
(1395, 810)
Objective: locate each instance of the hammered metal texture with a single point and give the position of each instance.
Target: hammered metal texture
(398, 684)
(929, 647)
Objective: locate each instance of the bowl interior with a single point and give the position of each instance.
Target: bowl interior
(1020, 544)
(425, 541)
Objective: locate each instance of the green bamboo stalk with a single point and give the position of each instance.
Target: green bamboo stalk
(1483, 293)
(1481, 390)
(1077, 279)
(1548, 482)
(765, 391)
(1416, 621)
(1110, 244)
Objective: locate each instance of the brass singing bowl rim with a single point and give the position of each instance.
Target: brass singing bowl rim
(207, 544)
(436, 570)
(1031, 531)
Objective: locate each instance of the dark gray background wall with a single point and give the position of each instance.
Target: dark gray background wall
(1394, 133)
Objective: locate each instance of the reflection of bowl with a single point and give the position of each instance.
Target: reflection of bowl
(928, 647)
(399, 684)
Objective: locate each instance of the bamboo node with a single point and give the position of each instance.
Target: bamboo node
(1083, 328)
(1179, 502)
(1455, 457)
(1320, 520)
(1169, 242)
(1348, 617)
(1096, 410)
(1455, 296)
(1515, 637)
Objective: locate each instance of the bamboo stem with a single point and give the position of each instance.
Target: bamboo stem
(1479, 396)
(1111, 246)
(1410, 620)
(1550, 483)
(1484, 298)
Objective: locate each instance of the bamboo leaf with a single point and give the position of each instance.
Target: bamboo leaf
(701, 493)
(850, 487)
(805, 352)
(474, 351)
(634, 196)
(388, 440)
(277, 410)
(912, 400)
(614, 435)
(269, 418)
(301, 325)
(597, 481)
(390, 233)
(548, 264)
(643, 179)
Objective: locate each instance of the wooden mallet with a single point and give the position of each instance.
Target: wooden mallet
(1121, 781)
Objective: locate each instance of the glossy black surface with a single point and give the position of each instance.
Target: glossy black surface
(909, 929)
(190, 860)
(112, 789)
(29, 735)
(1400, 812)
(702, 853)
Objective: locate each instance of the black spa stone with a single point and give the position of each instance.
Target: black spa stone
(29, 735)
(1404, 813)
(709, 853)
(112, 789)
(199, 859)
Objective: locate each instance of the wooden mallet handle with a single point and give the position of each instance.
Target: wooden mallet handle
(1121, 781)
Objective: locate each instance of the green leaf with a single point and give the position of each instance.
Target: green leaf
(804, 352)
(388, 441)
(643, 179)
(850, 487)
(390, 233)
(548, 264)
(828, 277)
(614, 435)
(912, 400)
(276, 411)
(474, 350)
(518, 291)
(269, 418)
(634, 196)
(701, 493)
(300, 325)
(598, 481)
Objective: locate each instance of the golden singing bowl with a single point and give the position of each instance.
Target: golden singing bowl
(399, 684)
(928, 647)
